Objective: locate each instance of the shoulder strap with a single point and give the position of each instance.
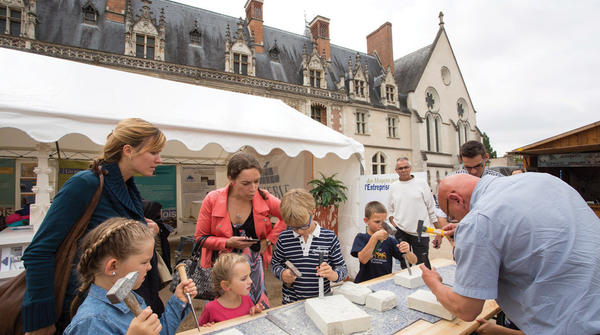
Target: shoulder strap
(200, 243)
(67, 249)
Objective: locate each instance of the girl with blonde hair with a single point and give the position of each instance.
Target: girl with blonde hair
(231, 279)
(111, 251)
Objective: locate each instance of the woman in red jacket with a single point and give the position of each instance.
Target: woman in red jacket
(231, 216)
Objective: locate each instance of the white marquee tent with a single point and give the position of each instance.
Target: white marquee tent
(47, 102)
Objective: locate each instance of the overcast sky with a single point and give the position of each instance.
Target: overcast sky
(531, 67)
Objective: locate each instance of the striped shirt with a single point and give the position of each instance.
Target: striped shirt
(291, 246)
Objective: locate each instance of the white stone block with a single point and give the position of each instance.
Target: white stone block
(426, 302)
(403, 278)
(335, 315)
(354, 292)
(382, 300)
(231, 331)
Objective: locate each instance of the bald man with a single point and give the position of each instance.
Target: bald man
(530, 242)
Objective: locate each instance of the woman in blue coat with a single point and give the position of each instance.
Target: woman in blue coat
(132, 147)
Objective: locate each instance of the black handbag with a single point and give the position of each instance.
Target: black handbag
(201, 276)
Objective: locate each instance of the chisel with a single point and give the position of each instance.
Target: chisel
(392, 231)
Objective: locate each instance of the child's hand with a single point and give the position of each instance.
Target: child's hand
(145, 323)
(208, 324)
(189, 286)
(404, 247)
(325, 270)
(288, 276)
(256, 309)
(381, 235)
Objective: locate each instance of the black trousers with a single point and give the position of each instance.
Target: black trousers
(419, 248)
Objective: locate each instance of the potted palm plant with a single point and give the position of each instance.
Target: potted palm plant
(328, 192)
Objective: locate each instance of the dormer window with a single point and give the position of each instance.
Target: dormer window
(144, 46)
(240, 63)
(359, 88)
(315, 78)
(90, 14)
(274, 52)
(195, 37)
(10, 20)
(389, 93)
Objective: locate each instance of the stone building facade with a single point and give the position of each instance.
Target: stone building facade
(416, 106)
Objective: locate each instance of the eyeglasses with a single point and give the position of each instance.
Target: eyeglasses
(400, 168)
(306, 226)
(478, 166)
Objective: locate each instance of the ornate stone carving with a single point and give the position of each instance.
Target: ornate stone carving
(315, 63)
(359, 80)
(239, 46)
(145, 24)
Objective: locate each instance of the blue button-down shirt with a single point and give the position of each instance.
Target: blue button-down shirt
(98, 316)
(531, 242)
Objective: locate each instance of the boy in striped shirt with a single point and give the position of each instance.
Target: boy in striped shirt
(301, 245)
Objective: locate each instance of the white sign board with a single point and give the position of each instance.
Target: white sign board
(376, 187)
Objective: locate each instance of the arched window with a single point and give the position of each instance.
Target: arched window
(438, 134)
(378, 163)
(463, 132)
(433, 123)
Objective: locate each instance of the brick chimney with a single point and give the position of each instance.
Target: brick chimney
(319, 29)
(254, 18)
(381, 41)
(115, 10)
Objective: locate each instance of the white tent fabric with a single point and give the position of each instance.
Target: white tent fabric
(48, 98)
(75, 104)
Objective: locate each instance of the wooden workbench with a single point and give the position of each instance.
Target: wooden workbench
(421, 327)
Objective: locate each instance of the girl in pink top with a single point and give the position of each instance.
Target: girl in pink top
(231, 278)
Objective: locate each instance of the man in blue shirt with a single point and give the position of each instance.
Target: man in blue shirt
(530, 242)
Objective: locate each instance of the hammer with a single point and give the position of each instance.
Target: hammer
(183, 276)
(392, 231)
(423, 229)
(121, 291)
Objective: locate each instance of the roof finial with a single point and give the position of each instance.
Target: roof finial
(441, 16)
(306, 27)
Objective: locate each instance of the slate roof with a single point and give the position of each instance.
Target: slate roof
(61, 21)
(409, 69)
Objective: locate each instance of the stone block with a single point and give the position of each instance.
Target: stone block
(426, 302)
(403, 278)
(335, 315)
(354, 292)
(382, 300)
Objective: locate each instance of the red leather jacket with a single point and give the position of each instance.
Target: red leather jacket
(213, 219)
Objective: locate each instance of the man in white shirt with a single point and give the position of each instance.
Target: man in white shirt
(410, 200)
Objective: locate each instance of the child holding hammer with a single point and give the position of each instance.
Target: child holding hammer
(110, 251)
(313, 250)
